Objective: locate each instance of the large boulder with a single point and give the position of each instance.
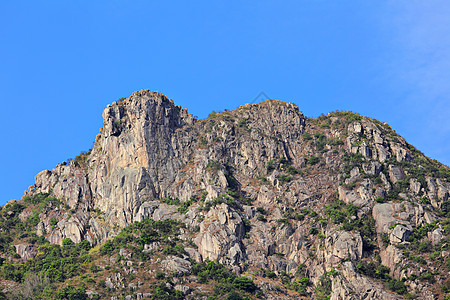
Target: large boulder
(220, 235)
(176, 264)
(399, 234)
(25, 251)
(342, 245)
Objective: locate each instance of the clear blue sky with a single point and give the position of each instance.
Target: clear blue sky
(62, 62)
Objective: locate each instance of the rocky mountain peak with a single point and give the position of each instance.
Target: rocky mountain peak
(143, 106)
(337, 205)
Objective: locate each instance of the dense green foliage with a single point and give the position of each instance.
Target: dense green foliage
(166, 292)
(300, 285)
(58, 263)
(313, 160)
(146, 232)
(226, 282)
(72, 293)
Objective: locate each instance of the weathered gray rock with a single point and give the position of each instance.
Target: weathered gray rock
(388, 214)
(354, 173)
(115, 281)
(399, 234)
(92, 294)
(194, 254)
(219, 237)
(25, 251)
(436, 236)
(391, 256)
(396, 173)
(354, 286)
(415, 185)
(183, 288)
(352, 197)
(176, 264)
(372, 168)
(342, 245)
(151, 247)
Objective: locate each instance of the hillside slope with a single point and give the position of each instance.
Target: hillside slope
(337, 207)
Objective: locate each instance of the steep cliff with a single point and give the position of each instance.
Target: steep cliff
(339, 206)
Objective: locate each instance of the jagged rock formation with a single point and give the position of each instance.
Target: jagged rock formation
(254, 183)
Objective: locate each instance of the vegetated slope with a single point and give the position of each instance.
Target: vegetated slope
(258, 202)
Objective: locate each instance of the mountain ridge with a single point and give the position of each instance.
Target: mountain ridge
(330, 200)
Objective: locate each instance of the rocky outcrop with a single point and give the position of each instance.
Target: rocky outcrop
(390, 214)
(220, 235)
(399, 234)
(352, 285)
(340, 245)
(176, 264)
(25, 251)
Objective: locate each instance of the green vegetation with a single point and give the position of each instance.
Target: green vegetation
(171, 201)
(344, 118)
(313, 230)
(321, 141)
(271, 165)
(282, 164)
(53, 222)
(346, 215)
(183, 207)
(300, 285)
(225, 282)
(212, 115)
(146, 232)
(283, 221)
(44, 201)
(349, 116)
(203, 141)
(339, 212)
(72, 293)
(213, 165)
(12, 227)
(166, 292)
(285, 178)
(422, 166)
(323, 287)
(445, 209)
(306, 136)
(222, 198)
(261, 210)
(313, 160)
(57, 263)
(416, 238)
(81, 159)
(261, 218)
(243, 123)
(351, 161)
(381, 272)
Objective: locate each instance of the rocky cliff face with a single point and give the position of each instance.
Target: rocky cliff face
(267, 191)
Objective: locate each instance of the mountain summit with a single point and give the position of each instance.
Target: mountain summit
(258, 202)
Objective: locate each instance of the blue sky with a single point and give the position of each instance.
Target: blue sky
(64, 61)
